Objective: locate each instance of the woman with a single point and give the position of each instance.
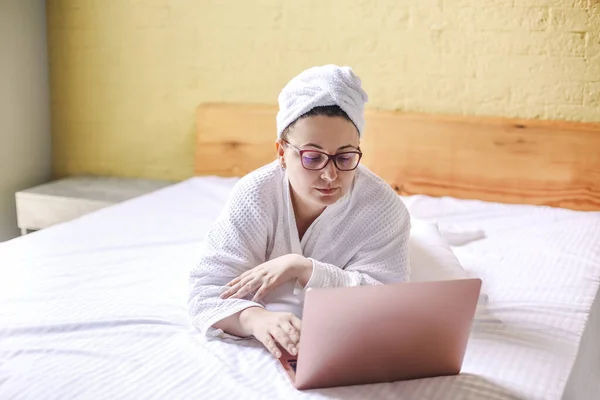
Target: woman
(313, 218)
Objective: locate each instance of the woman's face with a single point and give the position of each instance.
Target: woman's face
(332, 135)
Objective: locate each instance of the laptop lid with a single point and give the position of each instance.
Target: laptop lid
(384, 333)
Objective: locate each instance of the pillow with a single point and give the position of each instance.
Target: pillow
(431, 258)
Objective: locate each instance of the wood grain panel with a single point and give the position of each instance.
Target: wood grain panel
(493, 159)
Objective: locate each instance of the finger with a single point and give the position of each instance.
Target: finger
(245, 290)
(234, 290)
(296, 322)
(283, 339)
(230, 291)
(269, 283)
(233, 281)
(262, 291)
(291, 331)
(239, 278)
(237, 288)
(248, 279)
(269, 342)
(296, 326)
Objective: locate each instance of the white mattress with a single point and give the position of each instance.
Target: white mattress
(96, 308)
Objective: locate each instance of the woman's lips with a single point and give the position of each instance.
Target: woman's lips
(328, 191)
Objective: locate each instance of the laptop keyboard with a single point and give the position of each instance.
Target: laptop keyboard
(293, 364)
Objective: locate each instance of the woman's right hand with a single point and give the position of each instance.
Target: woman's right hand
(272, 328)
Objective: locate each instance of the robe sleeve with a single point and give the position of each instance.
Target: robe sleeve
(235, 243)
(383, 257)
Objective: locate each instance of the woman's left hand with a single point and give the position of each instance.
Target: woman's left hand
(267, 276)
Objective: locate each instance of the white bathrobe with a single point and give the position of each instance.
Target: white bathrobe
(362, 239)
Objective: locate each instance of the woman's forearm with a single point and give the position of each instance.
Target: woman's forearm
(304, 269)
(238, 324)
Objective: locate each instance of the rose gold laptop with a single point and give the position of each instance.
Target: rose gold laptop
(383, 333)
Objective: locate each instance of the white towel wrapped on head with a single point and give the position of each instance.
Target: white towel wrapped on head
(325, 85)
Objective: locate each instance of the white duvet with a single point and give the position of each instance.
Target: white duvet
(96, 308)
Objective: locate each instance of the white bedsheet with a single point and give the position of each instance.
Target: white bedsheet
(96, 308)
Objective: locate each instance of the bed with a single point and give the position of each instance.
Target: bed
(96, 308)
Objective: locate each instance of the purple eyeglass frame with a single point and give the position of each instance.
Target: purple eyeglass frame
(329, 156)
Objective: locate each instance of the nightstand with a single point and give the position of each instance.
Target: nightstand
(62, 200)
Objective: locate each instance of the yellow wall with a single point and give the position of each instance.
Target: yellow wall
(126, 75)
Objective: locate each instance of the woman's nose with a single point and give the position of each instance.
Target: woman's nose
(329, 172)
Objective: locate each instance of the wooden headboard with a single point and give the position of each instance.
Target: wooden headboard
(492, 159)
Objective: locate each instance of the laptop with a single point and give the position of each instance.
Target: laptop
(382, 333)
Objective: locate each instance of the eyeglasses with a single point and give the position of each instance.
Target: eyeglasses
(316, 160)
